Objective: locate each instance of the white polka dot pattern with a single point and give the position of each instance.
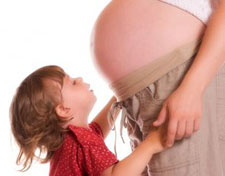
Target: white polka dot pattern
(83, 152)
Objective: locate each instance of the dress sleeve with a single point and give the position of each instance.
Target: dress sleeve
(68, 159)
(96, 127)
(98, 158)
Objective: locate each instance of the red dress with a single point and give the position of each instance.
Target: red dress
(83, 153)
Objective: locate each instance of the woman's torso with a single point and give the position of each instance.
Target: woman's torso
(131, 33)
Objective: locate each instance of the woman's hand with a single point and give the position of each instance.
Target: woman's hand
(183, 110)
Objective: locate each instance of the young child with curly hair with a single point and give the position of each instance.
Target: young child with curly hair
(49, 113)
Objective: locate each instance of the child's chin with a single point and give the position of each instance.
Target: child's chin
(95, 99)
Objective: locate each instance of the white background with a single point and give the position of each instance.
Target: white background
(38, 33)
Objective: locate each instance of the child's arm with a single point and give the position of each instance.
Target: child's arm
(101, 118)
(135, 163)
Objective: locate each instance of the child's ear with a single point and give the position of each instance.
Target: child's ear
(62, 111)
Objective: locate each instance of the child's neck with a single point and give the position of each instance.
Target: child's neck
(78, 123)
(80, 119)
(84, 125)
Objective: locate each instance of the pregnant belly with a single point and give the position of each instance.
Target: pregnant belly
(129, 34)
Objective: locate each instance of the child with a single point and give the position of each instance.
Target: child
(50, 112)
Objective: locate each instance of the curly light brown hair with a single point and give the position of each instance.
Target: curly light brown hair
(34, 121)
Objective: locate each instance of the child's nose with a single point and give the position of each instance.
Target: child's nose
(80, 79)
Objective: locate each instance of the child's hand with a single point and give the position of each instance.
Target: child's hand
(157, 138)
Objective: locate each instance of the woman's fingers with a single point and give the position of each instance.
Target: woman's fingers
(182, 109)
(181, 128)
(161, 117)
(189, 128)
(186, 128)
(171, 132)
(196, 125)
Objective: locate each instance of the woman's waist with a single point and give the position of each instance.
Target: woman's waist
(137, 80)
(115, 65)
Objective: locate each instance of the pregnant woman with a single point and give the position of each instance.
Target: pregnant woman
(164, 62)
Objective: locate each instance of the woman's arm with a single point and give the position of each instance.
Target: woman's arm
(211, 54)
(184, 106)
(102, 120)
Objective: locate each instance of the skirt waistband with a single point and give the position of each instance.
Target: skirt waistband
(142, 77)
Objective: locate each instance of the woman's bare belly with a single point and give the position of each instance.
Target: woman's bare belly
(129, 34)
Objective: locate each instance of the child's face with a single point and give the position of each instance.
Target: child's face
(76, 95)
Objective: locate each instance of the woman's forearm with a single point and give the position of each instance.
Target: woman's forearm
(211, 54)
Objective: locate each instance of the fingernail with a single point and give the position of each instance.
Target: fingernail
(169, 144)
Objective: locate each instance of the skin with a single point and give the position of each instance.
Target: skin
(129, 34)
(78, 102)
(183, 108)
